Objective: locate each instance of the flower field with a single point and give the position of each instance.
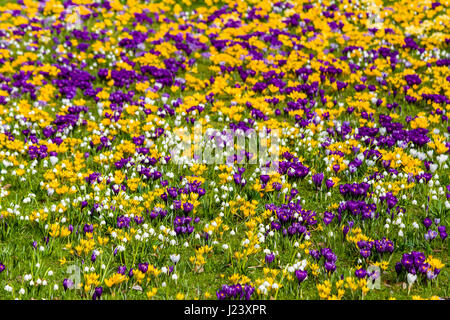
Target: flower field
(101, 197)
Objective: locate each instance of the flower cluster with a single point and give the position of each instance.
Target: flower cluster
(415, 263)
(235, 292)
(329, 258)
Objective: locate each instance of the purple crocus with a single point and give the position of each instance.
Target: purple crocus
(187, 207)
(143, 267)
(264, 178)
(365, 253)
(317, 179)
(427, 222)
(122, 270)
(269, 258)
(329, 183)
(360, 273)
(97, 293)
(430, 235)
(301, 275)
(88, 228)
(330, 266)
(67, 284)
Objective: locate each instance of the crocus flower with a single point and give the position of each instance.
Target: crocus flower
(143, 267)
(122, 270)
(430, 235)
(301, 275)
(175, 258)
(264, 178)
(97, 293)
(329, 183)
(427, 222)
(269, 258)
(360, 273)
(365, 253)
(317, 179)
(330, 266)
(68, 284)
(411, 278)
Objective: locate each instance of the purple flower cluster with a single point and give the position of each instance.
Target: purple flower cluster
(354, 190)
(432, 234)
(35, 152)
(237, 177)
(366, 248)
(88, 228)
(173, 192)
(68, 284)
(235, 292)
(123, 222)
(390, 199)
(292, 218)
(329, 258)
(157, 212)
(294, 169)
(413, 79)
(357, 208)
(414, 263)
(182, 225)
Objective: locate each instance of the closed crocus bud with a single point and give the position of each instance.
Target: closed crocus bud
(398, 267)
(317, 179)
(264, 178)
(345, 230)
(97, 293)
